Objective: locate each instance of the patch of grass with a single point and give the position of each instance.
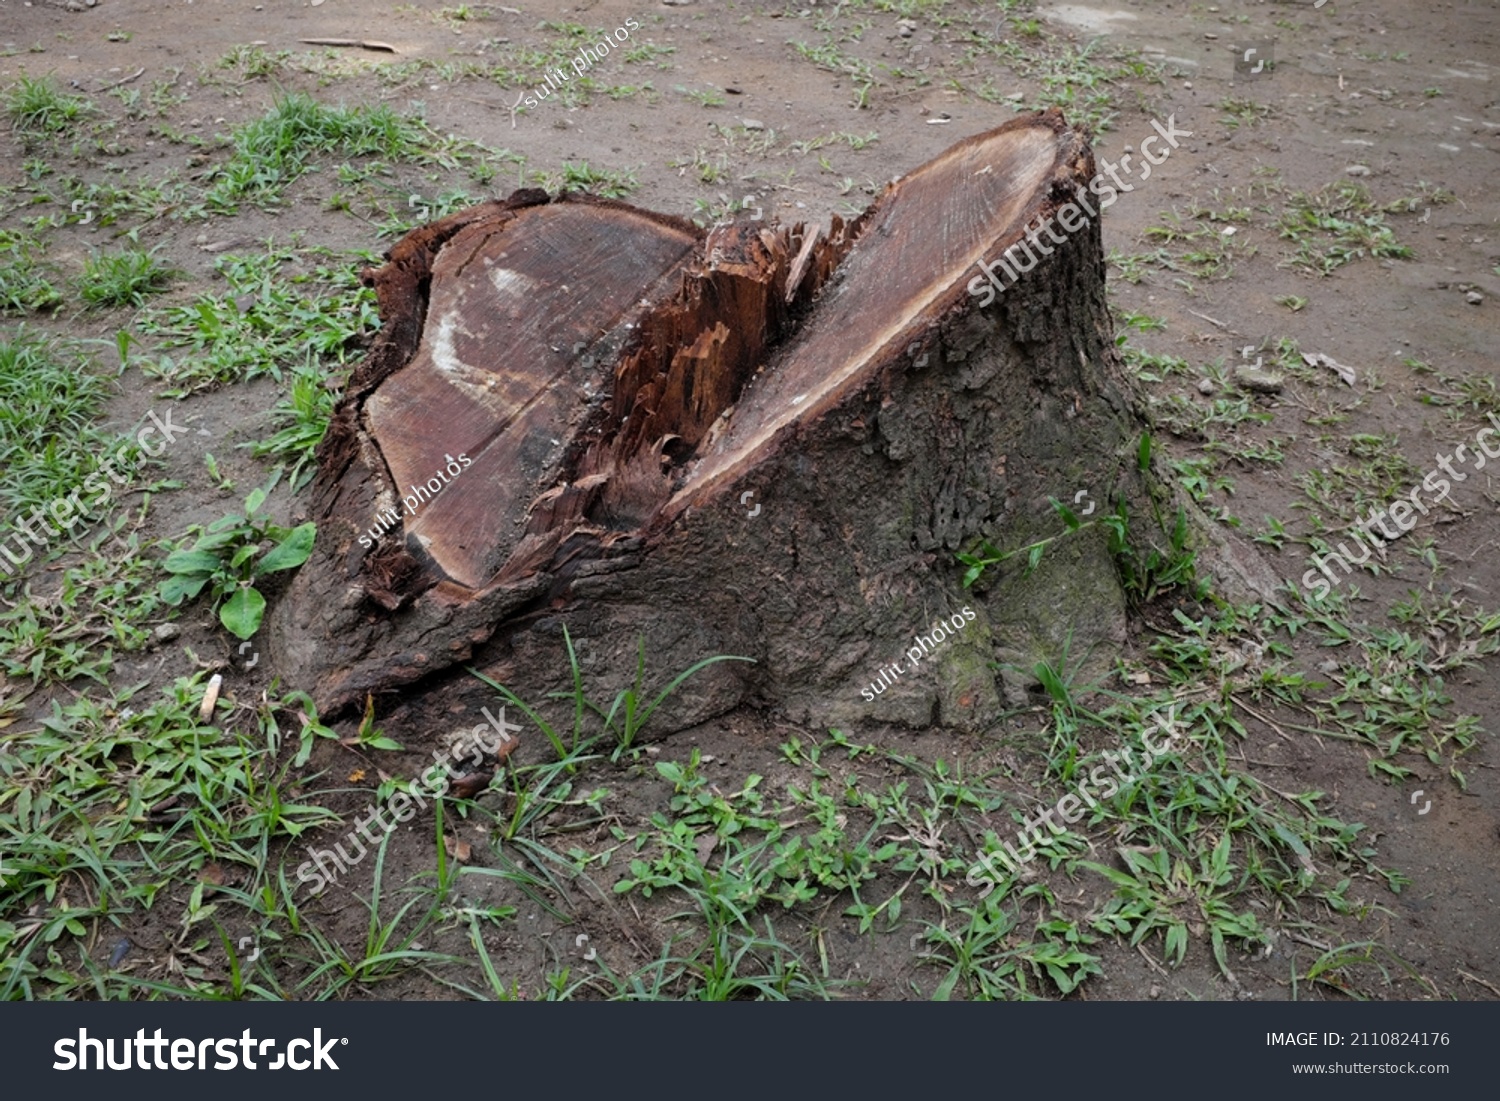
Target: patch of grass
(609, 183)
(100, 607)
(38, 109)
(703, 97)
(124, 278)
(105, 203)
(827, 56)
(50, 397)
(272, 151)
(104, 809)
(1336, 225)
(265, 319)
(1243, 112)
(854, 141)
(649, 52)
(1149, 366)
(304, 415)
(707, 169)
(25, 285)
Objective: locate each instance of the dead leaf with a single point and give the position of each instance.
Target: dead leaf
(356, 776)
(467, 787)
(1318, 359)
(506, 748)
(458, 850)
(705, 846)
(212, 874)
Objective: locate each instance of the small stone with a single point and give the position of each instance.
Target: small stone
(1258, 380)
(1205, 386)
(752, 124)
(1329, 666)
(166, 632)
(1473, 298)
(1154, 992)
(1357, 170)
(1188, 84)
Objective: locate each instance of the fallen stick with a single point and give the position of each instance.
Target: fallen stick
(355, 42)
(124, 80)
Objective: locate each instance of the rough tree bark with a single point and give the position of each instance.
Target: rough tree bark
(618, 381)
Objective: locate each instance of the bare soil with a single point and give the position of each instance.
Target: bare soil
(1385, 93)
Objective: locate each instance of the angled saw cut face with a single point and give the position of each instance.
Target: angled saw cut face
(524, 323)
(927, 232)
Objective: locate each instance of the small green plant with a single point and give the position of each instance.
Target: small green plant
(1150, 572)
(634, 717)
(369, 734)
(230, 558)
(583, 177)
(1242, 112)
(24, 285)
(36, 107)
(707, 97)
(625, 718)
(122, 278)
(304, 416)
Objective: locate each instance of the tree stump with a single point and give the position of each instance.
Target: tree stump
(760, 441)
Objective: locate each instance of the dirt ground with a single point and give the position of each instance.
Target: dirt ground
(1336, 204)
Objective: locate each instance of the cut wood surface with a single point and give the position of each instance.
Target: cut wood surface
(622, 381)
(516, 352)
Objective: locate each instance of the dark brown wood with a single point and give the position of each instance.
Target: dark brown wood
(620, 380)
